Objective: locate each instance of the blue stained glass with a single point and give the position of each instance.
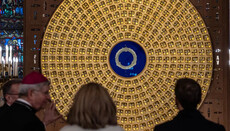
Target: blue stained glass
(17, 10)
(127, 59)
(6, 41)
(21, 11)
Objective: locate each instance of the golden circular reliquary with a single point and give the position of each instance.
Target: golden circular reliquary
(86, 40)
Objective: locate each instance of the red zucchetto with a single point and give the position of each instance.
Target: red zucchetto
(34, 78)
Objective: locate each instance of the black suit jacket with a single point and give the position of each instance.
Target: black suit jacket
(3, 109)
(20, 117)
(189, 120)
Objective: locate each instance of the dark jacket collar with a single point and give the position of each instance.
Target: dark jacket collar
(5, 105)
(192, 113)
(26, 106)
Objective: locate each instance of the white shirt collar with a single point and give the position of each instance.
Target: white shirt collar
(23, 101)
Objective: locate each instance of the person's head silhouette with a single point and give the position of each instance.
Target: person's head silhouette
(188, 93)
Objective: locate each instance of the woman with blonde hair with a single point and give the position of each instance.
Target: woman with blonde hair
(92, 109)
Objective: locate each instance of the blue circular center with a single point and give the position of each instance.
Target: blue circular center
(127, 59)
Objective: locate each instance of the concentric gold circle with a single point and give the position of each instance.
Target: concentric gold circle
(81, 34)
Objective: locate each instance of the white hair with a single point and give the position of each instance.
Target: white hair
(24, 88)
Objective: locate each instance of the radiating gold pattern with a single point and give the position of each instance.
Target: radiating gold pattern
(81, 33)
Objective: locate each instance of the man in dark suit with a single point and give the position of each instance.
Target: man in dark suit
(33, 96)
(10, 94)
(188, 96)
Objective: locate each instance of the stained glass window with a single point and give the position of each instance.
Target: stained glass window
(11, 38)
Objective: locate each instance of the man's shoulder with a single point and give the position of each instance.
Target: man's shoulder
(3, 109)
(20, 113)
(22, 107)
(180, 126)
(214, 126)
(164, 126)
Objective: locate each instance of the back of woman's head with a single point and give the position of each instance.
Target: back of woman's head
(92, 108)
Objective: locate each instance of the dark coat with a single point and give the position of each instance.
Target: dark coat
(20, 117)
(3, 109)
(189, 120)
